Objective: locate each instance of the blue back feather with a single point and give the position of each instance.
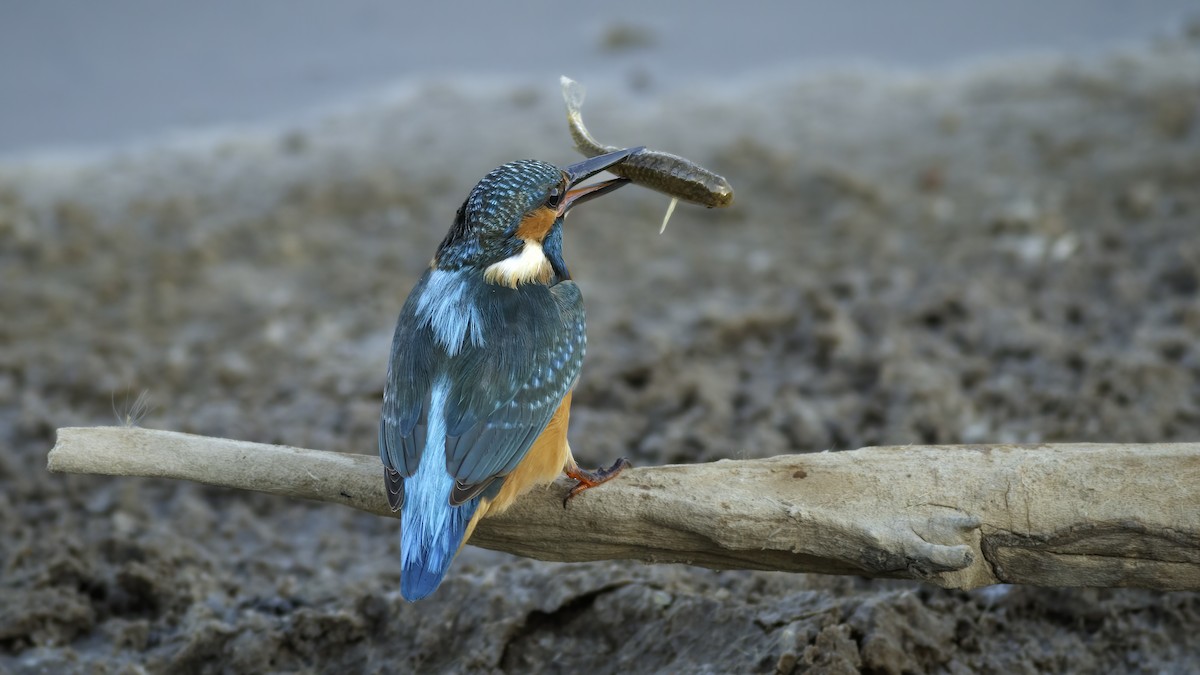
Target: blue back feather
(431, 529)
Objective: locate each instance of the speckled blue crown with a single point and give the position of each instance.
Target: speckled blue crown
(508, 192)
(482, 231)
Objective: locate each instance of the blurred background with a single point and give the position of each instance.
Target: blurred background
(954, 223)
(82, 73)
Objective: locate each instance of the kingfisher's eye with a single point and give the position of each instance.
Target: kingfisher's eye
(555, 198)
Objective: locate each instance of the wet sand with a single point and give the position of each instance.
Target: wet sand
(1006, 253)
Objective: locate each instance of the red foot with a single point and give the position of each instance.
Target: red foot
(590, 479)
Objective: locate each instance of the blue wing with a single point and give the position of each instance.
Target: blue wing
(505, 395)
(405, 417)
(508, 393)
(510, 356)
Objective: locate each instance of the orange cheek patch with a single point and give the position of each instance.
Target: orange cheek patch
(537, 224)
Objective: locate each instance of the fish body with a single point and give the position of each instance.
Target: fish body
(662, 171)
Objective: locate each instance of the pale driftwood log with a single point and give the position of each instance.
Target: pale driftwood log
(954, 516)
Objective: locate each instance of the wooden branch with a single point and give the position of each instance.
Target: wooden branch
(954, 516)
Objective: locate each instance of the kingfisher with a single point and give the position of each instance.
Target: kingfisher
(485, 355)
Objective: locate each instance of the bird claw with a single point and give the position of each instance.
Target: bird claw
(590, 479)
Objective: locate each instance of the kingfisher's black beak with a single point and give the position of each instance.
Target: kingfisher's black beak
(577, 173)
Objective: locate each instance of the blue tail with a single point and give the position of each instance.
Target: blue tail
(428, 543)
(431, 530)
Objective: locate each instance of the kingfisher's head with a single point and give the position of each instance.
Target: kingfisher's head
(510, 227)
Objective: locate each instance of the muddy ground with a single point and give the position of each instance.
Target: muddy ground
(1006, 253)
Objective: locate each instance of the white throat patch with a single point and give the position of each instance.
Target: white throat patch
(531, 264)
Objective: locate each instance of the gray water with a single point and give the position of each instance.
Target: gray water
(76, 74)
